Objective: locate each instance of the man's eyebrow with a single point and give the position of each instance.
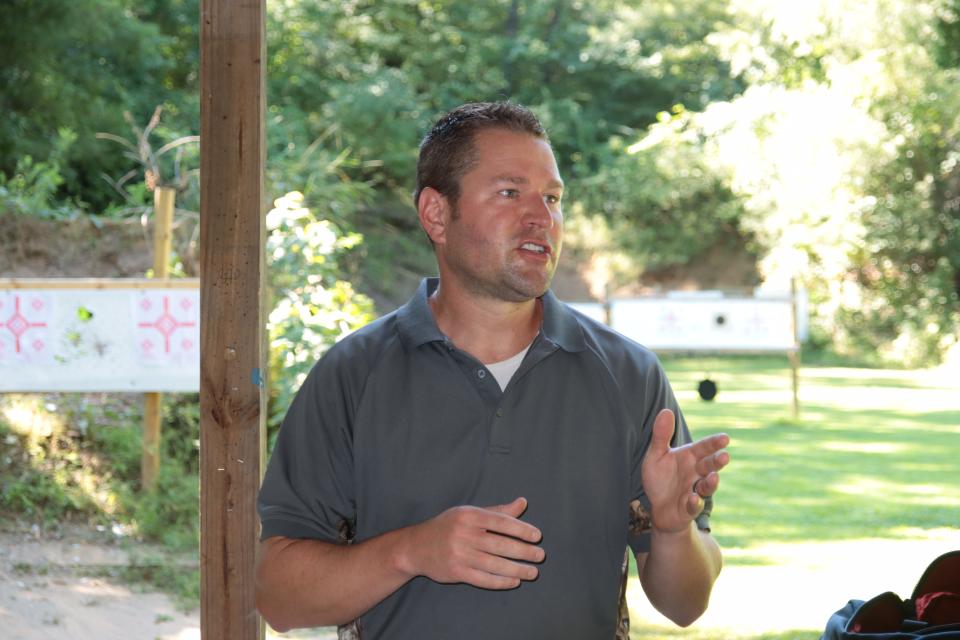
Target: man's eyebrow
(557, 184)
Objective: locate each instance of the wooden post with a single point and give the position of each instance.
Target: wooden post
(163, 204)
(794, 354)
(232, 341)
(607, 306)
(164, 199)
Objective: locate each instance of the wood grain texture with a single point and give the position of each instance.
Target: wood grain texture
(232, 235)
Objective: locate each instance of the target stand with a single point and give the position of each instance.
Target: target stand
(710, 322)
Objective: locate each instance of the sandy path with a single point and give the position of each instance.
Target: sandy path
(47, 593)
(44, 594)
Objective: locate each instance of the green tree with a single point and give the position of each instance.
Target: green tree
(909, 265)
(369, 77)
(383, 70)
(76, 65)
(667, 198)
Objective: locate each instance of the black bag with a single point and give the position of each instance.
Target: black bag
(931, 613)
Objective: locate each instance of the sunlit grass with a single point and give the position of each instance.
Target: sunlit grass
(871, 457)
(844, 467)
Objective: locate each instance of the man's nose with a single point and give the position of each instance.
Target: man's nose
(537, 213)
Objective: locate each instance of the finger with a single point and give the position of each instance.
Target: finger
(486, 580)
(504, 547)
(513, 509)
(707, 486)
(695, 504)
(709, 445)
(712, 463)
(497, 566)
(503, 520)
(663, 426)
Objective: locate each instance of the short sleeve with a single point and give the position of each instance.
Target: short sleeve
(308, 491)
(657, 395)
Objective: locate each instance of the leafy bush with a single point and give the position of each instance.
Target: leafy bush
(38, 463)
(170, 513)
(32, 187)
(315, 307)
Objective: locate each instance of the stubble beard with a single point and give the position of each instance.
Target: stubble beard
(507, 280)
(504, 281)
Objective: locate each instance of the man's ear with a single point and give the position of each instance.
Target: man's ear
(434, 213)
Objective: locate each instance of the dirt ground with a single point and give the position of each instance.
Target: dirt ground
(55, 589)
(59, 588)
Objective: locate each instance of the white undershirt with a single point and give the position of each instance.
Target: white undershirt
(505, 369)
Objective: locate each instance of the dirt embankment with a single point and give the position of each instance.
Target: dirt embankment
(35, 248)
(80, 248)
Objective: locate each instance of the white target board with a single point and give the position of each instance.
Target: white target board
(71, 338)
(703, 323)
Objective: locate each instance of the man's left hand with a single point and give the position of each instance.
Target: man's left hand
(676, 480)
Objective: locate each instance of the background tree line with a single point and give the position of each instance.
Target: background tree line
(823, 136)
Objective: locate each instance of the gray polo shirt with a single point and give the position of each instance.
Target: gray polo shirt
(395, 425)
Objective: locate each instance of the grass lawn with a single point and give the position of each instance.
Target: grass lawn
(818, 505)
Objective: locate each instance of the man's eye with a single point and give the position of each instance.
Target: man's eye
(509, 193)
(552, 199)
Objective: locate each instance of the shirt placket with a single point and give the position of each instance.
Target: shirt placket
(502, 426)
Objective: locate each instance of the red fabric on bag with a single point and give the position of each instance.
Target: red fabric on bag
(940, 607)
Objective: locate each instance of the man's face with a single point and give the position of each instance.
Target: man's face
(504, 236)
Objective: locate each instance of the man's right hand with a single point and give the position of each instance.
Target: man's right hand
(484, 547)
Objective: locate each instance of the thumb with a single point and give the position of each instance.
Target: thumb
(513, 509)
(663, 427)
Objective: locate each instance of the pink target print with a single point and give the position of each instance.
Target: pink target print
(24, 325)
(669, 321)
(167, 326)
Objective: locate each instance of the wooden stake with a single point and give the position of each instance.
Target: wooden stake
(794, 355)
(607, 306)
(164, 199)
(163, 204)
(150, 444)
(232, 341)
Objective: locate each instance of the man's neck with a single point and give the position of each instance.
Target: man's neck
(490, 330)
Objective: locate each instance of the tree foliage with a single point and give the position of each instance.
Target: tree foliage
(384, 70)
(79, 66)
(822, 134)
(909, 265)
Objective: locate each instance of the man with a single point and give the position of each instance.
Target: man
(479, 447)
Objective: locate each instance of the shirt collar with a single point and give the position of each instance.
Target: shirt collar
(417, 326)
(560, 324)
(415, 321)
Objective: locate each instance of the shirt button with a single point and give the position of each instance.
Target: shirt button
(499, 413)
(481, 373)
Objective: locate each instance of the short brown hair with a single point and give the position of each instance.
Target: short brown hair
(447, 151)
